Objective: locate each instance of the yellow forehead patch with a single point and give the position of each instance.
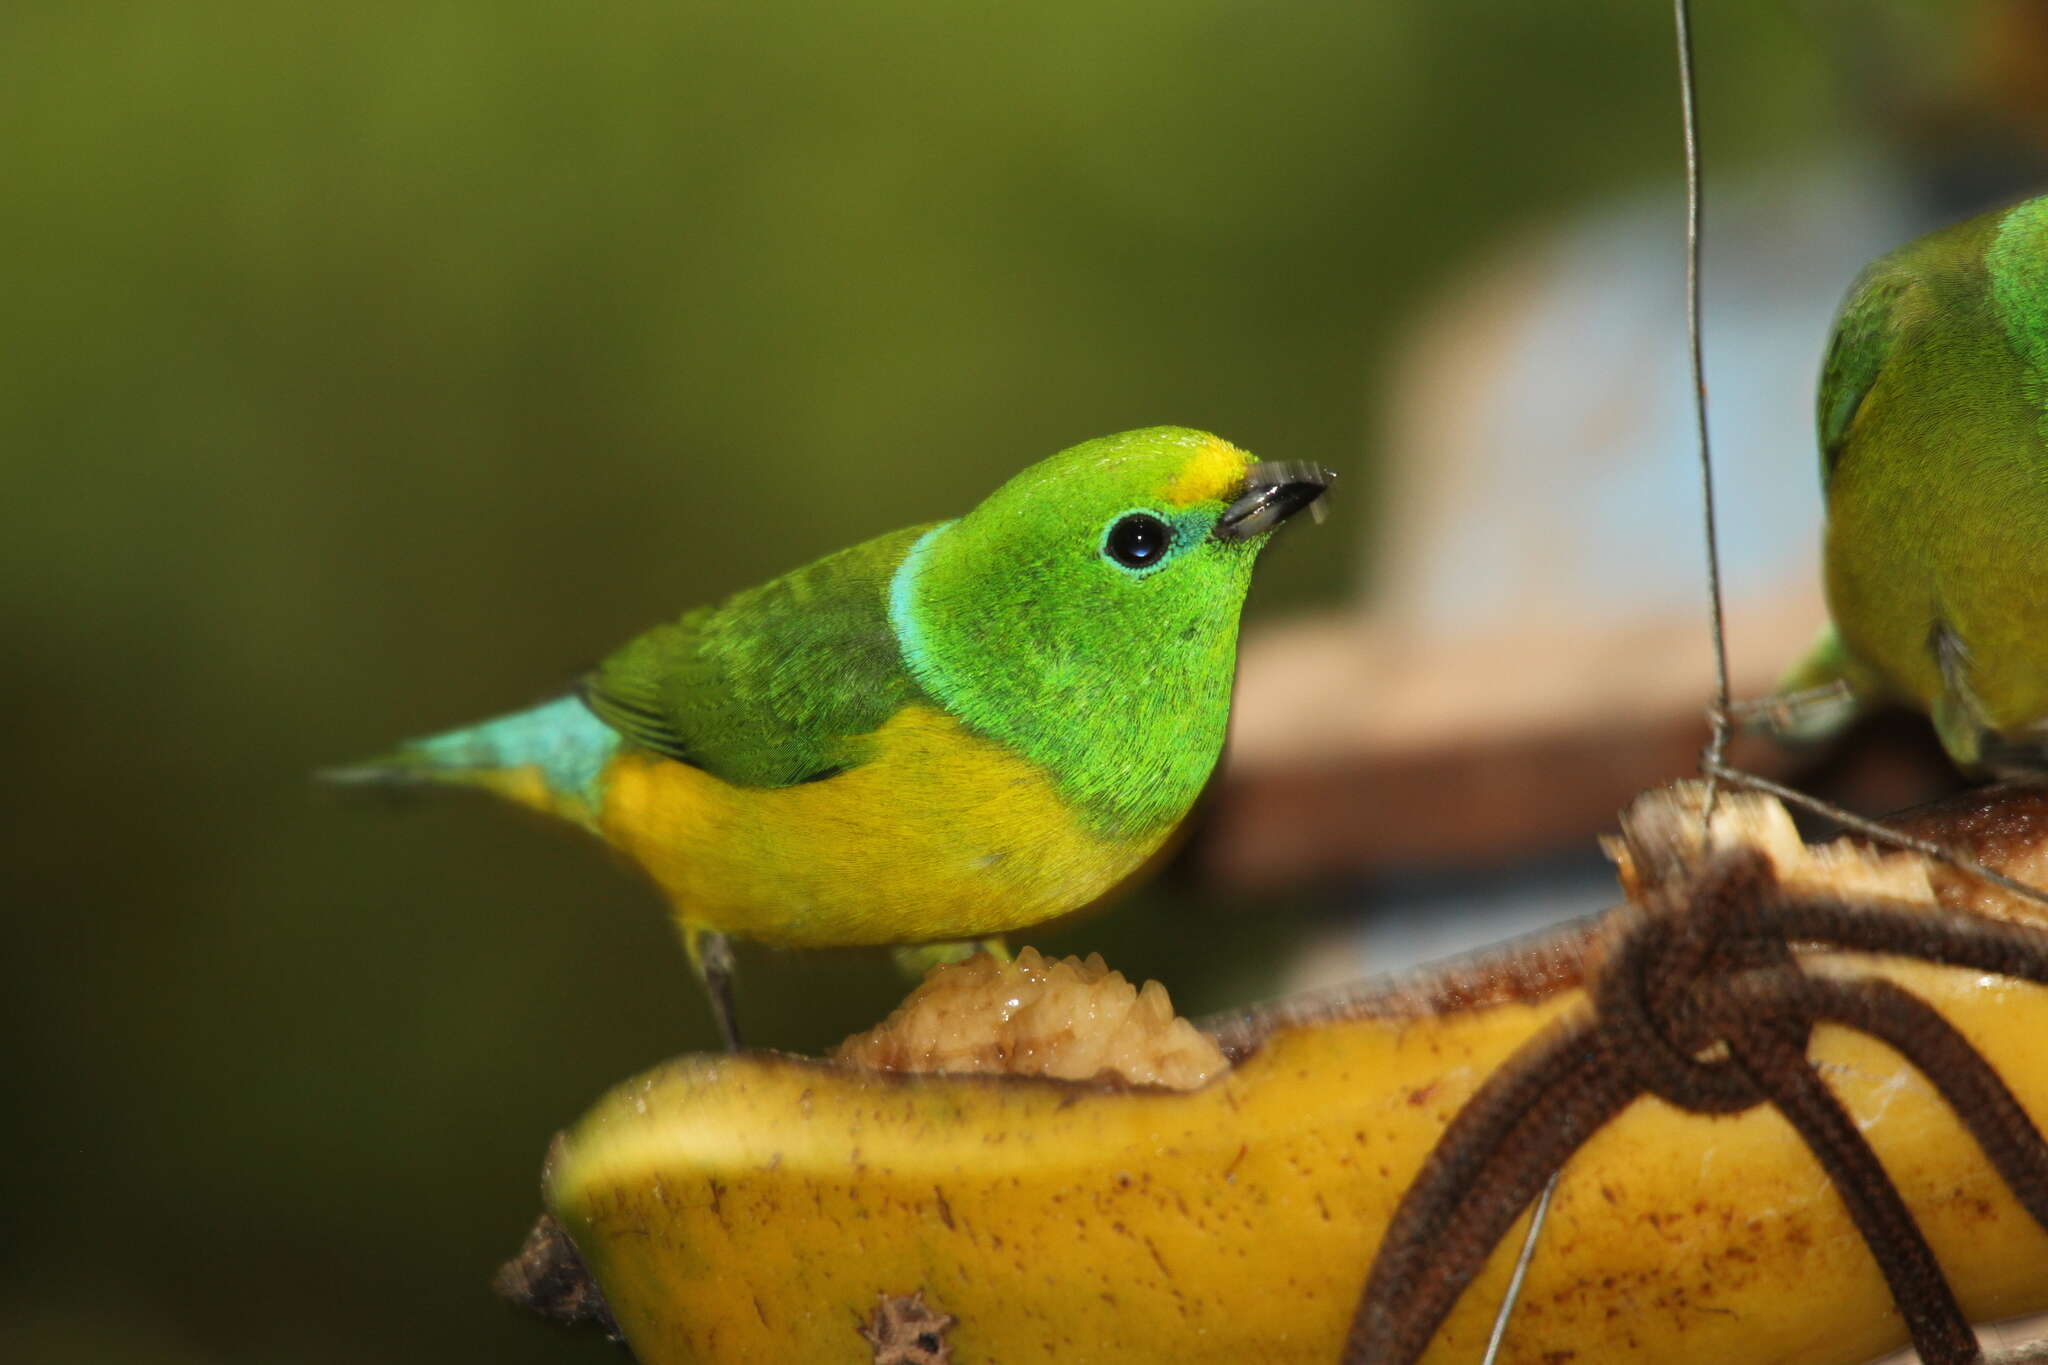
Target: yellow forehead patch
(1213, 473)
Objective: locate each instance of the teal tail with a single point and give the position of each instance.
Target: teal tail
(552, 755)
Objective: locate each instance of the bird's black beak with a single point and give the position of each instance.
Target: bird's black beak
(1274, 490)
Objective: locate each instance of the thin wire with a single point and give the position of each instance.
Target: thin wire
(1713, 762)
(1717, 745)
(1507, 1302)
(1884, 834)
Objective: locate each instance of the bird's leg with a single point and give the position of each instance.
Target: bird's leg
(1958, 715)
(1822, 696)
(711, 959)
(1803, 716)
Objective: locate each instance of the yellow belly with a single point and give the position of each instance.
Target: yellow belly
(941, 835)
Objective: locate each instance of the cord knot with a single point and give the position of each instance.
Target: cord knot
(1679, 984)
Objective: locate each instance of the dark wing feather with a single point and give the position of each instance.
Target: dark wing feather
(1866, 333)
(775, 686)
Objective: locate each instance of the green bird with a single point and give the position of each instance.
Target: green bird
(942, 734)
(1934, 460)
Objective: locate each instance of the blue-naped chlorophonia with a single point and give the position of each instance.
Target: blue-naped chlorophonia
(1933, 419)
(942, 734)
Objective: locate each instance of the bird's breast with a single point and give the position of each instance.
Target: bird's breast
(942, 834)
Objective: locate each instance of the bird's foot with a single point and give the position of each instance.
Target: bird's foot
(1805, 715)
(915, 960)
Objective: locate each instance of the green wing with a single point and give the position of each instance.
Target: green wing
(1866, 333)
(777, 684)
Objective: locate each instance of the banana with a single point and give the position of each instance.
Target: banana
(771, 1208)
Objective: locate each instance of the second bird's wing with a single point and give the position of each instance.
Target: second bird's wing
(1866, 331)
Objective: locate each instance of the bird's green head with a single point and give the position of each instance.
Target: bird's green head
(1086, 612)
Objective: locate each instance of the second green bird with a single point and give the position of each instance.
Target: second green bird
(1934, 458)
(945, 733)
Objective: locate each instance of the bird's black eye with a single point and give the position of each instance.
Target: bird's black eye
(1138, 541)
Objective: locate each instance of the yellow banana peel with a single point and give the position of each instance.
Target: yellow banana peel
(770, 1208)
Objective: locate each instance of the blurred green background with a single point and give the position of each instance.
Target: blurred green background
(376, 367)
